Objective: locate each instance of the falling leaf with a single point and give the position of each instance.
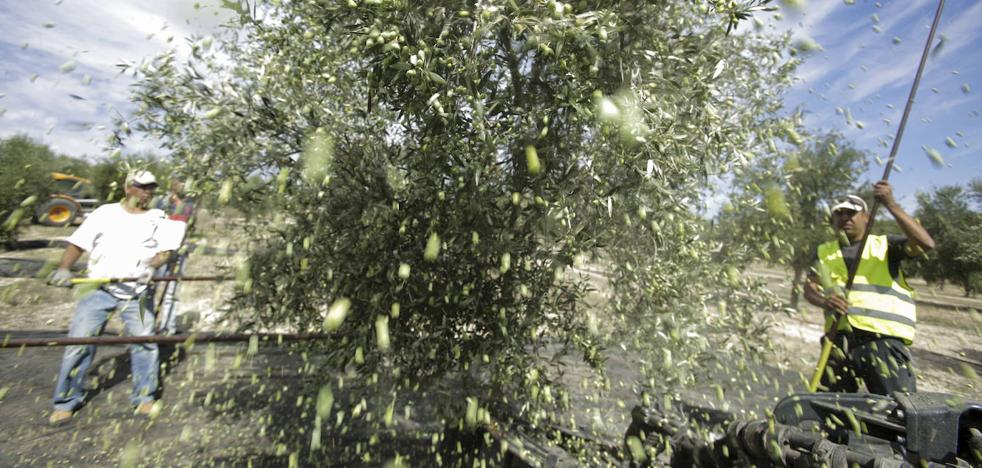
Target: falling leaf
(382, 332)
(505, 263)
(934, 156)
(225, 193)
(13, 219)
(470, 416)
(532, 160)
(317, 156)
(966, 88)
(938, 48)
(404, 270)
(607, 110)
(718, 69)
(950, 142)
(68, 66)
(130, 456)
(733, 276)
(325, 400)
(432, 250)
(336, 314)
(776, 204)
(967, 371)
(636, 448)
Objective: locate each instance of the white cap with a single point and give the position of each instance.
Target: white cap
(850, 202)
(141, 178)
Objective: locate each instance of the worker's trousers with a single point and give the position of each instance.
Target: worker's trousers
(91, 315)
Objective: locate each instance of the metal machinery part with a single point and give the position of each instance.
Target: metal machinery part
(72, 198)
(822, 429)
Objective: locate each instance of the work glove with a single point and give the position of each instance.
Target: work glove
(61, 277)
(146, 277)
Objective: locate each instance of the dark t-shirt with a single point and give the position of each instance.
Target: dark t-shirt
(895, 254)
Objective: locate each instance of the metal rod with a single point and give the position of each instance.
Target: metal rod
(155, 279)
(179, 261)
(893, 156)
(160, 339)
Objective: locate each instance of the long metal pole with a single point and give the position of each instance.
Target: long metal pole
(155, 278)
(160, 339)
(833, 333)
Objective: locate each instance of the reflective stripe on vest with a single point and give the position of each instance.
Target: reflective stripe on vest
(878, 302)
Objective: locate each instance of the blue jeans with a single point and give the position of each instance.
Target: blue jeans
(90, 317)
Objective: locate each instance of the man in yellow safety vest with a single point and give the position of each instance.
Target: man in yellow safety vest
(876, 321)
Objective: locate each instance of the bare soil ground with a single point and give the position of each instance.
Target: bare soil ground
(947, 349)
(223, 406)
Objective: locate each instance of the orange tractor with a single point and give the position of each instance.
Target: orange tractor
(74, 197)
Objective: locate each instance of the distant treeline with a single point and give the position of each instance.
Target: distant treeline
(26, 181)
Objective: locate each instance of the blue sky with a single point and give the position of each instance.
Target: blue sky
(859, 69)
(58, 74)
(870, 51)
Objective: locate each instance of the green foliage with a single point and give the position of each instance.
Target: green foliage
(26, 181)
(949, 216)
(803, 179)
(109, 174)
(395, 141)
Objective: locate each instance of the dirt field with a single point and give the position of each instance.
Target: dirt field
(224, 406)
(948, 340)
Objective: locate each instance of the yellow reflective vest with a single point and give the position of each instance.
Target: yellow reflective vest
(878, 302)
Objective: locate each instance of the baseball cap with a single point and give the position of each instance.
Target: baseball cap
(850, 202)
(141, 178)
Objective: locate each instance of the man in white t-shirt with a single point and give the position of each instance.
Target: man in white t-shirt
(125, 240)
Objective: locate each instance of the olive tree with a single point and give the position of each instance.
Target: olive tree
(778, 209)
(949, 215)
(443, 172)
(27, 182)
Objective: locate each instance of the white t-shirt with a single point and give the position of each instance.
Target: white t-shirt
(122, 244)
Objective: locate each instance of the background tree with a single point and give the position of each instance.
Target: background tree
(955, 223)
(109, 174)
(440, 170)
(779, 206)
(28, 184)
(26, 179)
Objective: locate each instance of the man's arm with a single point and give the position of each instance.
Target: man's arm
(160, 259)
(62, 277)
(918, 239)
(70, 256)
(814, 296)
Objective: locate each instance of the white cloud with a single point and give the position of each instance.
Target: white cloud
(963, 32)
(96, 35)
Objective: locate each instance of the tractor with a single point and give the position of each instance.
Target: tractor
(73, 198)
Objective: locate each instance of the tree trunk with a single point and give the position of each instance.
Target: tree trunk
(796, 287)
